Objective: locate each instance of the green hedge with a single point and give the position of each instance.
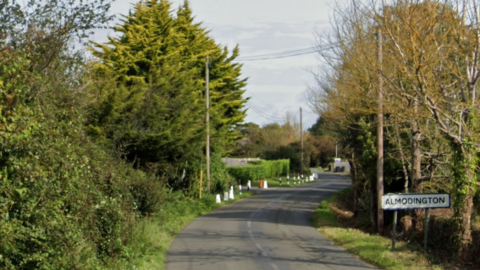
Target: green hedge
(260, 169)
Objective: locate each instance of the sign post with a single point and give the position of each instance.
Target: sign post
(404, 201)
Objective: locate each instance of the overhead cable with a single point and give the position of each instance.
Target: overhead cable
(285, 54)
(278, 55)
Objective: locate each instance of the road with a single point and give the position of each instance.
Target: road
(271, 230)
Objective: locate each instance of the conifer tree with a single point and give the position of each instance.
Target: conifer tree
(226, 87)
(155, 111)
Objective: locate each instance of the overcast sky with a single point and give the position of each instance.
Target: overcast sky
(260, 27)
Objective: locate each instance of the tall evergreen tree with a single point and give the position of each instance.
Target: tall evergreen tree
(226, 87)
(155, 111)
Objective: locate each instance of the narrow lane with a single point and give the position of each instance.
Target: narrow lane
(271, 230)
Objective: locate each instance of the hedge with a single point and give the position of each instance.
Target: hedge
(260, 169)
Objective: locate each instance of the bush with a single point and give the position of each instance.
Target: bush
(147, 194)
(260, 169)
(440, 236)
(247, 172)
(220, 175)
(64, 199)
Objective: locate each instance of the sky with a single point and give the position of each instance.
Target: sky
(276, 87)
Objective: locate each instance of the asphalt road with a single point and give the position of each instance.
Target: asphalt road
(271, 230)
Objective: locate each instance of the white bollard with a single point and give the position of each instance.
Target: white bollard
(249, 185)
(288, 179)
(265, 184)
(240, 188)
(225, 196)
(231, 196)
(217, 199)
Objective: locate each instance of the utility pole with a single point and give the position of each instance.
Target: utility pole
(380, 216)
(207, 120)
(301, 138)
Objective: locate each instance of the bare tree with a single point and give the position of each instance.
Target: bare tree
(435, 47)
(430, 70)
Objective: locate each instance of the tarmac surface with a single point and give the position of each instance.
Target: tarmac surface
(271, 230)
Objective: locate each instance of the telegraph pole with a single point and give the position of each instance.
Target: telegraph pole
(380, 217)
(301, 138)
(207, 120)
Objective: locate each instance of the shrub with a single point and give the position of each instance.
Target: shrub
(260, 169)
(147, 194)
(221, 177)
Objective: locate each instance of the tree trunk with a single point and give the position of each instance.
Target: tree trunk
(416, 152)
(354, 183)
(403, 158)
(466, 223)
(465, 180)
(416, 162)
(373, 206)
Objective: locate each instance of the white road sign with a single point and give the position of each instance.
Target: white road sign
(415, 201)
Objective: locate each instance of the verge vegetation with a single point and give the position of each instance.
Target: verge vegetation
(155, 233)
(335, 220)
(98, 151)
(401, 94)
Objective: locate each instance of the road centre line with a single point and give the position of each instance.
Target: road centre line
(249, 223)
(264, 253)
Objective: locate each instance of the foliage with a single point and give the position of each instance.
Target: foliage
(59, 208)
(268, 139)
(154, 111)
(251, 144)
(147, 195)
(247, 172)
(376, 250)
(274, 168)
(422, 52)
(260, 169)
(221, 179)
(68, 199)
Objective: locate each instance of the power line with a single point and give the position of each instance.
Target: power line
(275, 55)
(259, 99)
(263, 114)
(260, 111)
(286, 54)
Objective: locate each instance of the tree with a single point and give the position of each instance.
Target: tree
(158, 101)
(427, 48)
(61, 209)
(226, 87)
(441, 46)
(251, 143)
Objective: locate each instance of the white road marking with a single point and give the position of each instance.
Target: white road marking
(274, 266)
(264, 253)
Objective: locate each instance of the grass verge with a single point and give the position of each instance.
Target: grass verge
(154, 234)
(373, 249)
